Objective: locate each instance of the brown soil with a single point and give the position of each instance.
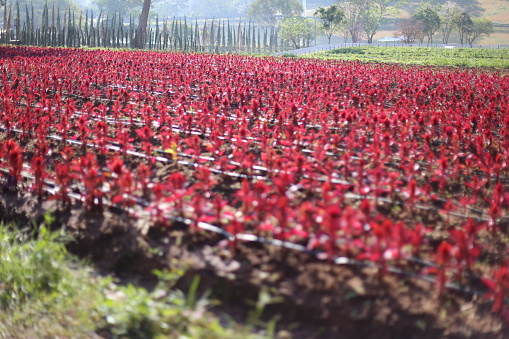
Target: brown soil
(319, 299)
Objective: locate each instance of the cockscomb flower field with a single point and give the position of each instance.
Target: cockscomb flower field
(398, 171)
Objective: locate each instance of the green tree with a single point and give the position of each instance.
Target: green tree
(298, 30)
(371, 21)
(365, 16)
(331, 18)
(431, 20)
(354, 25)
(449, 14)
(464, 25)
(377, 11)
(273, 12)
(481, 27)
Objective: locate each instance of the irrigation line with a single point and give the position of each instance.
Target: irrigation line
(177, 129)
(339, 260)
(394, 160)
(53, 190)
(141, 155)
(274, 242)
(250, 177)
(349, 195)
(255, 167)
(262, 168)
(245, 237)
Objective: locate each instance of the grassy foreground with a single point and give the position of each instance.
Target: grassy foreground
(465, 57)
(46, 293)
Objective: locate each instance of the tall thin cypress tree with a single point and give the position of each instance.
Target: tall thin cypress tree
(211, 37)
(197, 45)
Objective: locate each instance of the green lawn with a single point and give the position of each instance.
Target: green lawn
(465, 57)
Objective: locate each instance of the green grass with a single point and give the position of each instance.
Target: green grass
(46, 293)
(43, 293)
(466, 57)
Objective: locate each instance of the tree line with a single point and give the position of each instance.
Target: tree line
(446, 19)
(362, 19)
(272, 26)
(69, 28)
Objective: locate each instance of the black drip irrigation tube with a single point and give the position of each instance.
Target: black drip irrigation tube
(341, 260)
(142, 203)
(348, 195)
(251, 238)
(178, 129)
(245, 237)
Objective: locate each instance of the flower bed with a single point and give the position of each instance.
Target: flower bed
(400, 170)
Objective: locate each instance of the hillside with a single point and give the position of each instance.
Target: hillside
(495, 10)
